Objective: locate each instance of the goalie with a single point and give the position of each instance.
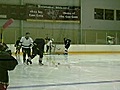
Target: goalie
(37, 49)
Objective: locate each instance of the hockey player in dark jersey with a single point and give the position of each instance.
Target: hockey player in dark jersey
(17, 49)
(17, 46)
(7, 63)
(67, 45)
(37, 49)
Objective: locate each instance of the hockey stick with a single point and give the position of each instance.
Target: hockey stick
(10, 21)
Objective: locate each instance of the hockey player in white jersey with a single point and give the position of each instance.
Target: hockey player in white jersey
(49, 45)
(26, 43)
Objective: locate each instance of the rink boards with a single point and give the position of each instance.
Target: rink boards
(79, 49)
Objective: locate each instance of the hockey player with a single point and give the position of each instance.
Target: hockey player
(110, 40)
(26, 43)
(17, 46)
(49, 45)
(67, 45)
(7, 63)
(37, 49)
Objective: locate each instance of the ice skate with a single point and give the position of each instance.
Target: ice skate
(41, 64)
(29, 62)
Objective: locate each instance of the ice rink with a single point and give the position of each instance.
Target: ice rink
(68, 72)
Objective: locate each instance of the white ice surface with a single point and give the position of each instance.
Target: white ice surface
(75, 72)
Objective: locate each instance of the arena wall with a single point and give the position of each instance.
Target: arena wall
(79, 49)
(88, 31)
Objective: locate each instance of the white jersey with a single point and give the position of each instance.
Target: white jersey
(49, 43)
(26, 43)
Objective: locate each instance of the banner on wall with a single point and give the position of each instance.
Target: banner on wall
(32, 12)
(53, 13)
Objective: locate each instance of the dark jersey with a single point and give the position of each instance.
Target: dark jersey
(67, 41)
(39, 43)
(7, 62)
(17, 43)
